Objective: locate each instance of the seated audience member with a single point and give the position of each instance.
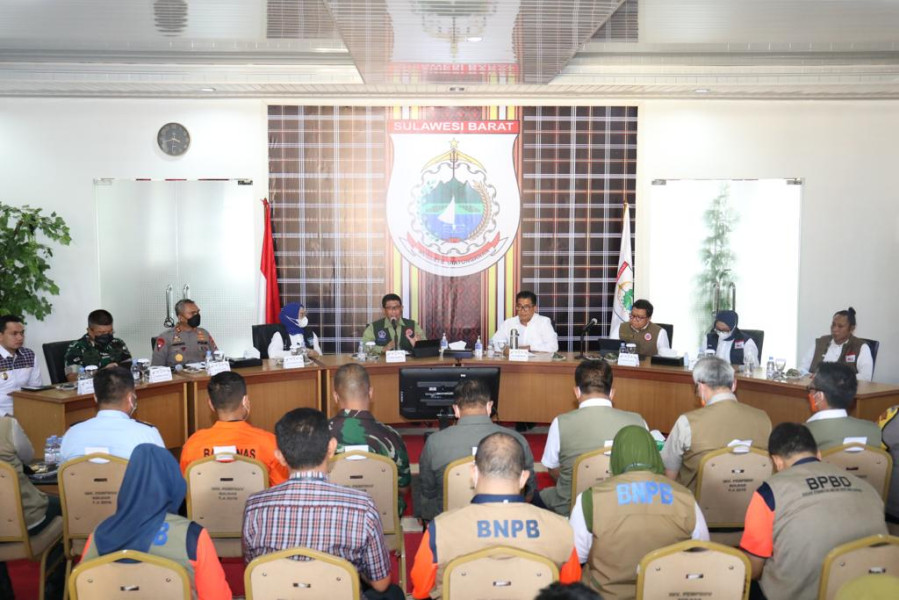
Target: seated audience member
(98, 347)
(472, 406)
(588, 428)
(185, 343)
(567, 591)
(889, 426)
(830, 393)
(18, 366)
(498, 515)
(617, 522)
(112, 431)
(639, 330)
(728, 342)
(146, 520)
(354, 425)
(535, 332)
(841, 347)
(296, 325)
(721, 420)
(309, 511)
(393, 332)
(802, 512)
(231, 433)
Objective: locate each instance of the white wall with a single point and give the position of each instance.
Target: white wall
(52, 149)
(846, 154)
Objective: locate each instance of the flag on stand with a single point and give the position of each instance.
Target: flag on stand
(624, 280)
(269, 298)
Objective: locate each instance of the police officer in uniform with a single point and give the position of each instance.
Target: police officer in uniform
(98, 347)
(393, 332)
(187, 342)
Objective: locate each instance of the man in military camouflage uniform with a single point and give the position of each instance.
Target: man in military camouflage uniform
(98, 347)
(354, 425)
(187, 342)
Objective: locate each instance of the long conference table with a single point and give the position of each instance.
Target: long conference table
(535, 391)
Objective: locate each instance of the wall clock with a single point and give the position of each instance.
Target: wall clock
(173, 139)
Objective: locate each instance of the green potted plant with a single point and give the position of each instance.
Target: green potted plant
(24, 233)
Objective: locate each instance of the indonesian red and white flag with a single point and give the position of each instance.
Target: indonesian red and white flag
(269, 297)
(624, 280)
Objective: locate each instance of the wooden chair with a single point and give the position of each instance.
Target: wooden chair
(217, 491)
(281, 575)
(15, 543)
(694, 569)
(875, 555)
(88, 490)
(869, 463)
(458, 487)
(498, 573)
(139, 576)
(589, 469)
(377, 476)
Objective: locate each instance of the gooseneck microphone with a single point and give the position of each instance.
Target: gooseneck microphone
(593, 323)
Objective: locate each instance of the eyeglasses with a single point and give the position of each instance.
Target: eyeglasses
(638, 317)
(524, 307)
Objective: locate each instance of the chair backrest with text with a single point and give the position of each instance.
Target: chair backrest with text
(281, 575)
(869, 463)
(590, 468)
(55, 355)
(458, 486)
(498, 573)
(875, 555)
(726, 481)
(139, 575)
(694, 569)
(88, 490)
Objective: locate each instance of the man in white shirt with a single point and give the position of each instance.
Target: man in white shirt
(535, 332)
(18, 365)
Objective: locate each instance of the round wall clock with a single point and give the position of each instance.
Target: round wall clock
(173, 139)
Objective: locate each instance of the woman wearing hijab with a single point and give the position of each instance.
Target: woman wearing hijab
(296, 332)
(728, 342)
(146, 520)
(638, 510)
(841, 346)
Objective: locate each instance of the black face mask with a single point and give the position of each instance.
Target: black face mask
(103, 339)
(194, 321)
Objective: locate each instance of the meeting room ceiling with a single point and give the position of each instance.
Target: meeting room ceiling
(438, 50)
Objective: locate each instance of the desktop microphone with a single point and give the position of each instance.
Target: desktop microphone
(593, 322)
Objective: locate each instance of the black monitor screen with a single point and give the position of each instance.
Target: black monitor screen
(427, 392)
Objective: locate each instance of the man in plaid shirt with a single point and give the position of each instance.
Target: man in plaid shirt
(307, 510)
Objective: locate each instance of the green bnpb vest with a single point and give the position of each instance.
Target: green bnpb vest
(34, 501)
(645, 347)
(384, 333)
(851, 349)
(831, 432)
(580, 431)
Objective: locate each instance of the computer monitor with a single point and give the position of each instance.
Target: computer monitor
(426, 393)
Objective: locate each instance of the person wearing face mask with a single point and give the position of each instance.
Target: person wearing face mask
(296, 331)
(98, 347)
(113, 431)
(841, 347)
(187, 342)
(231, 434)
(728, 342)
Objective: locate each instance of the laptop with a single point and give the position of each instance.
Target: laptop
(426, 349)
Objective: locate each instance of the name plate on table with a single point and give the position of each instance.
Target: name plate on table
(294, 362)
(395, 356)
(85, 386)
(628, 360)
(519, 355)
(214, 368)
(159, 374)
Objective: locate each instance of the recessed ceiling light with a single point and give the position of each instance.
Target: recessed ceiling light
(208, 90)
(702, 91)
(474, 38)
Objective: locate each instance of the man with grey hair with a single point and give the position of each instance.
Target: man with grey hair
(497, 515)
(187, 342)
(721, 420)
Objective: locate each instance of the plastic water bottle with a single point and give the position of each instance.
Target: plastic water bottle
(135, 372)
(478, 348)
(444, 344)
(360, 353)
(208, 356)
(82, 374)
(622, 349)
(57, 449)
(770, 369)
(48, 451)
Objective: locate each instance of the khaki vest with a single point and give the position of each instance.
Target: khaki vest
(715, 426)
(631, 515)
(830, 432)
(518, 524)
(581, 431)
(645, 347)
(817, 507)
(34, 501)
(852, 346)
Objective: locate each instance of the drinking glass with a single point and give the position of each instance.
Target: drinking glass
(779, 364)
